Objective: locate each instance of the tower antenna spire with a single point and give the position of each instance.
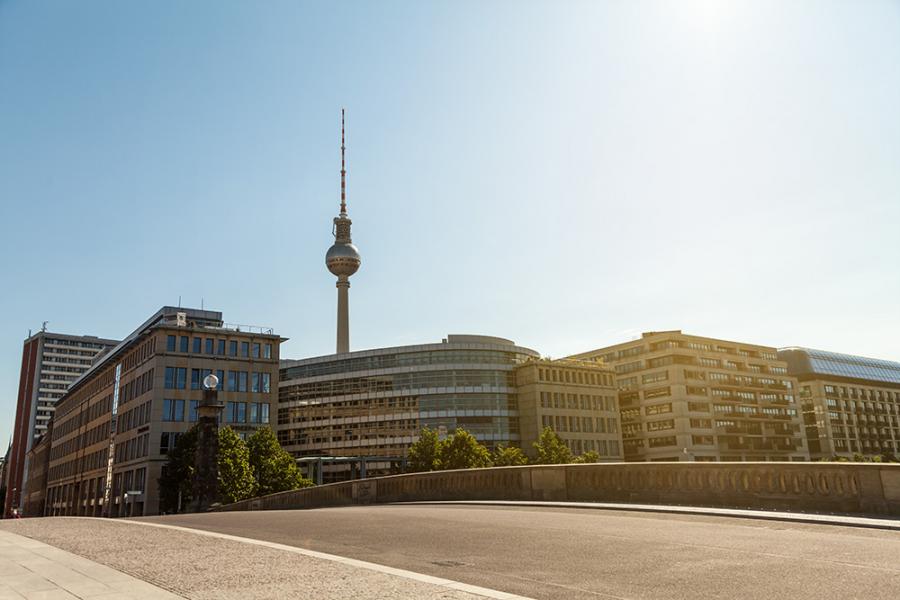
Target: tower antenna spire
(343, 170)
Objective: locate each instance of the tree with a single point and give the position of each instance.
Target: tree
(551, 450)
(236, 480)
(422, 454)
(274, 469)
(591, 456)
(509, 456)
(178, 473)
(462, 451)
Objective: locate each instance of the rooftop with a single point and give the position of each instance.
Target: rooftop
(807, 361)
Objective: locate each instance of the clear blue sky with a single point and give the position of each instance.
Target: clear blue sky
(565, 174)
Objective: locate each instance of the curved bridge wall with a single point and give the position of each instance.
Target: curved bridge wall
(850, 488)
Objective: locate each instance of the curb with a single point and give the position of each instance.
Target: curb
(808, 518)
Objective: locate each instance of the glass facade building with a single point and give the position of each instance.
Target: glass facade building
(850, 404)
(373, 403)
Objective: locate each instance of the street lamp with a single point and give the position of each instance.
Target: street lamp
(206, 487)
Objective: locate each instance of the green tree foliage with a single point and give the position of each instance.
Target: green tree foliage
(274, 469)
(236, 480)
(590, 456)
(422, 454)
(551, 450)
(460, 450)
(178, 473)
(509, 456)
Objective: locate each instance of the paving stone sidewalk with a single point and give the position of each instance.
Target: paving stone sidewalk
(33, 570)
(188, 564)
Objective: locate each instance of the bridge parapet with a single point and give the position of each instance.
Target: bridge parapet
(848, 488)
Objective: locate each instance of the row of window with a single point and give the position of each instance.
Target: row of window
(214, 346)
(236, 381)
(580, 424)
(573, 376)
(577, 401)
(235, 412)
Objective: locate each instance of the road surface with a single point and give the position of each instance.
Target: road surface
(582, 553)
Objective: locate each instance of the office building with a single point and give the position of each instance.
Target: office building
(50, 362)
(684, 397)
(574, 397)
(850, 404)
(372, 404)
(115, 425)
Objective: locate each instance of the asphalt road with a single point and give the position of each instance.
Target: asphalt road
(582, 553)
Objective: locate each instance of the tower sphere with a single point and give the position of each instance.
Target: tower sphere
(342, 259)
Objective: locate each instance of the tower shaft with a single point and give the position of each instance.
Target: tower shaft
(343, 315)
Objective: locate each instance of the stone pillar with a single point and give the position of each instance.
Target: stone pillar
(206, 476)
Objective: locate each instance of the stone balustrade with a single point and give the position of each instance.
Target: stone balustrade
(848, 488)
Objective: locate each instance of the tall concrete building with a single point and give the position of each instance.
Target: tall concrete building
(343, 259)
(50, 363)
(684, 397)
(850, 404)
(576, 398)
(117, 422)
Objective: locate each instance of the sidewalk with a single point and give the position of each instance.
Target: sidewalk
(195, 564)
(35, 571)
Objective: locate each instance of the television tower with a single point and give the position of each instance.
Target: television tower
(343, 259)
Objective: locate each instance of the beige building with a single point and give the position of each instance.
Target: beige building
(576, 398)
(115, 425)
(684, 397)
(850, 404)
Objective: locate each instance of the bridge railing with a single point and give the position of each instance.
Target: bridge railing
(848, 488)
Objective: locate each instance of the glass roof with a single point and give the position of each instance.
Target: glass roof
(843, 365)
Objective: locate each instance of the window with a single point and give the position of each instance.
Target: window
(173, 410)
(701, 423)
(170, 343)
(195, 378)
(657, 393)
(245, 349)
(266, 379)
(655, 377)
(661, 425)
(661, 442)
(232, 348)
(235, 412)
(254, 382)
(198, 344)
(242, 381)
(180, 378)
(254, 412)
(192, 410)
(210, 345)
(264, 412)
(220, 374)
(170, 378)
(658, 409)
(267, 351)
(255, 352)
(183, 345)
(220, 350)
(232, 381)
(702, 440)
